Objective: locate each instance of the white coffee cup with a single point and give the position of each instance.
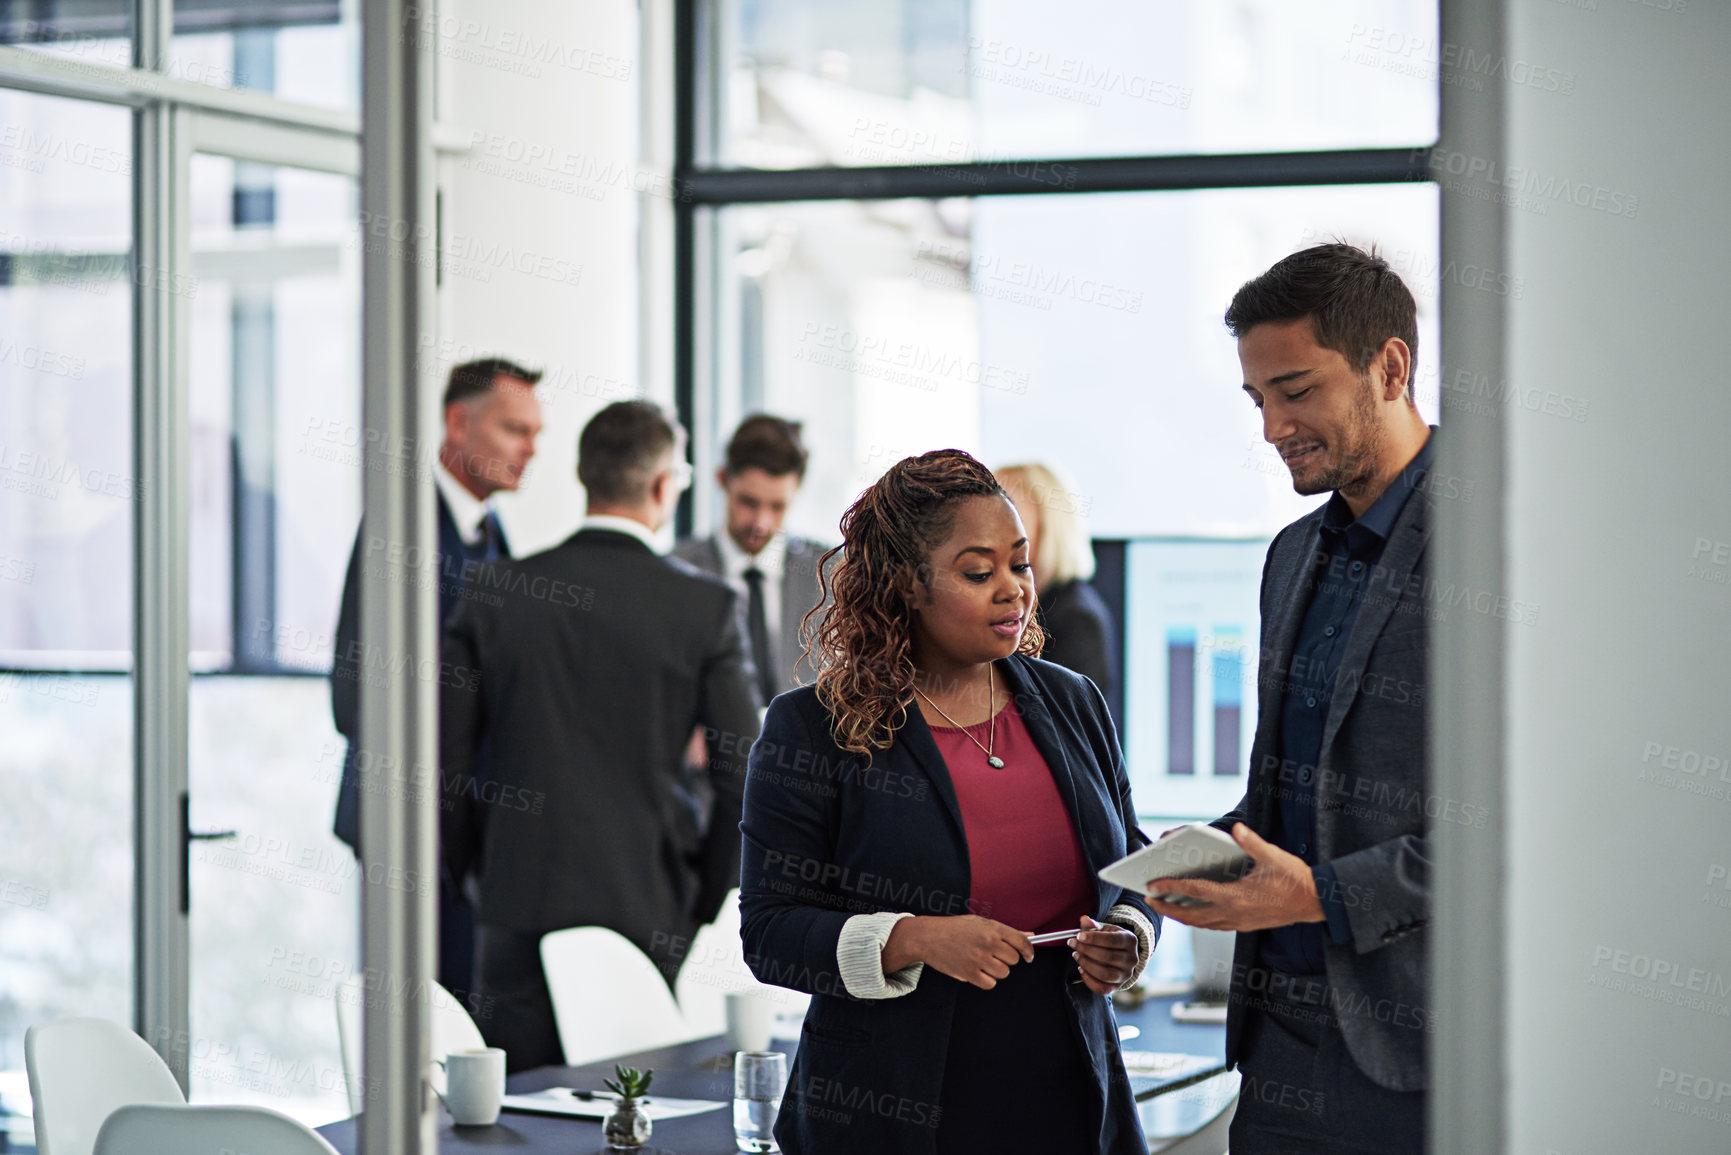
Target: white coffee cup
(474, 1085)
(749, 1016)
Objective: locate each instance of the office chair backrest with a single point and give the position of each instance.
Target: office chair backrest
(448, 1022)
(80, 1071)
(161, 1129)
(608, 998)
(715, 968)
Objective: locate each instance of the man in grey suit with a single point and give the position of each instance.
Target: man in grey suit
(591, 663)
(1329, 1009)
(775, 574)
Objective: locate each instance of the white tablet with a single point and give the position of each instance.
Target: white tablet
(1194, 851)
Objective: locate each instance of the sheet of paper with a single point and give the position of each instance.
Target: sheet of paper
(560, 1101)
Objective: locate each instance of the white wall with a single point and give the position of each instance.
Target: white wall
(1618, 947)
(540, 220)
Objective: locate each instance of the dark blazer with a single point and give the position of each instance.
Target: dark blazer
(346, 666)
(1080, 635)
(829, 835)
(801, 591)
(581, 672)
(1374, 811)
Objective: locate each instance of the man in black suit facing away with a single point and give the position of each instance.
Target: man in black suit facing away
(1329, 1011)
(593, 662)
(491, 421)
(774, 573)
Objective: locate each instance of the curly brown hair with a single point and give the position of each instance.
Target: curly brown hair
(864, 641)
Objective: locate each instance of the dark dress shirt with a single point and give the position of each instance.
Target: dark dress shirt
(1341, 573)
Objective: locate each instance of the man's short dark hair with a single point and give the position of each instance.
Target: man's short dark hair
(474, 379)
(1355, 302)
(619, 449)
(771, 444)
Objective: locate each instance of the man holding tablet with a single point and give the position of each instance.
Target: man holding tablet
(1329, 1010)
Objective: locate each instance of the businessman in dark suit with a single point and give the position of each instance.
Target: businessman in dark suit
(592, 663)
(1330, 1012)
(774, 573)
(491, 421)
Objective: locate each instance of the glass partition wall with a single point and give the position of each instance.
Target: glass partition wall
(990, 226)
(179, 325)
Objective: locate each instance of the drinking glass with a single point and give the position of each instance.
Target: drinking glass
(759, 1077)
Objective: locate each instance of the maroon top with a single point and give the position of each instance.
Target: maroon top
(1026, 861)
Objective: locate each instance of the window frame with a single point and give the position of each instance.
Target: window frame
(702, 185)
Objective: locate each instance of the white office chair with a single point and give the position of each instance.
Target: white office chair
(448, 1022)
(80, 1071)
(715, 968)
(1208, 1139)
(608, 998)
(160, 1129)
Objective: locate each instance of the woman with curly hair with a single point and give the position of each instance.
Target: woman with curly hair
(935, 800)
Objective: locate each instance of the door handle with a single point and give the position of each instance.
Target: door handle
(187, 837)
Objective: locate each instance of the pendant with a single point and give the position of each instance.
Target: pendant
(994, 762)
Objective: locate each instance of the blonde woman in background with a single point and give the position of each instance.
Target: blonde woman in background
(1080, 633)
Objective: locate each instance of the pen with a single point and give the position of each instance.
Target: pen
(1053, 936)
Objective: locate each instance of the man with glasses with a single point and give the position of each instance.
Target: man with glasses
(586, 669)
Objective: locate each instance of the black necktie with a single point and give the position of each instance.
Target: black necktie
(492, 538)
(758, 628)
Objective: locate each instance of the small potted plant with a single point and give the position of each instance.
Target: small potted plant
(628, 1127)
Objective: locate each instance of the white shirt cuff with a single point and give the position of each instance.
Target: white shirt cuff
(1136, 923)
(859, 955)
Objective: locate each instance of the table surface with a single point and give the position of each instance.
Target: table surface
(703, 1069)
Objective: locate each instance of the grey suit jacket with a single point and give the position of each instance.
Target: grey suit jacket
(800, 591)
(1374, 810)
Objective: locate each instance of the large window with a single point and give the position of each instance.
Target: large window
(179, 486)
(869, 82)
(67, 490)
(996, 227)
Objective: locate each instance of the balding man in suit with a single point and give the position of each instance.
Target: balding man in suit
(593, 662)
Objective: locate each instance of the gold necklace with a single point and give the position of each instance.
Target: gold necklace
(992, 759)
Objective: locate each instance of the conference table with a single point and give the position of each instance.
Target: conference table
(1170, 1104)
